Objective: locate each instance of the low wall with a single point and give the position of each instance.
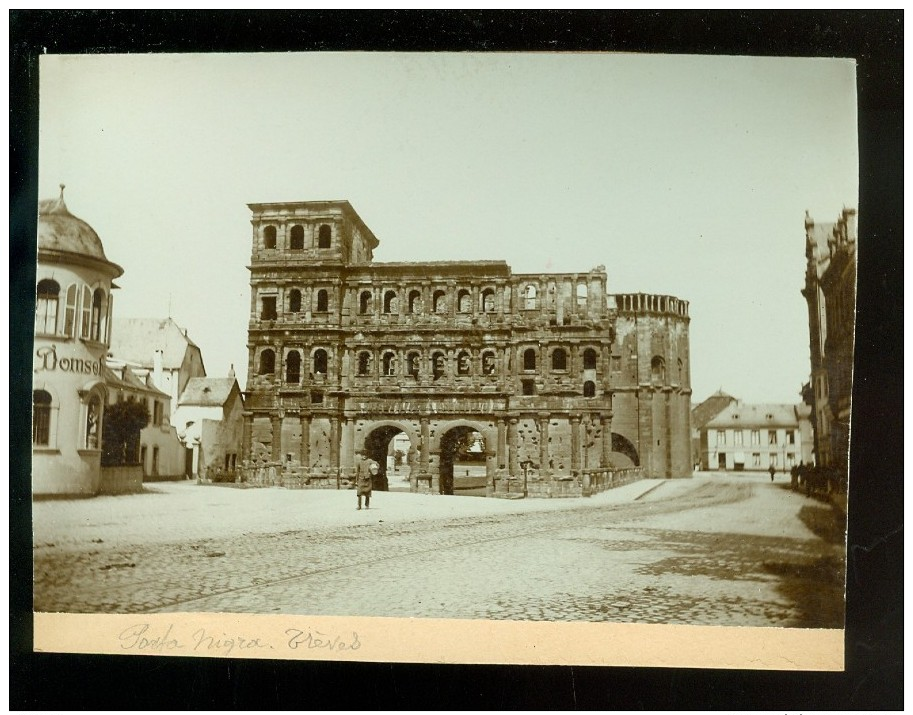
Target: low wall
(279, 475)
(164, 477)
(587, 483)
(121, 479)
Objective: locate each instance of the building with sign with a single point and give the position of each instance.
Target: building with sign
(72, 334)
(550, 373)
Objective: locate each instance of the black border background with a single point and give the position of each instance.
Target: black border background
(874, 634)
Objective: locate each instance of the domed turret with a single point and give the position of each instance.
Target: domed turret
(59, 231)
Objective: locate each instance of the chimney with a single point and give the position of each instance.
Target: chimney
(157, 368)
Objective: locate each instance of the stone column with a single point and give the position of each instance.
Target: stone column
(544, 470)
(513, 439)
(606, 459)
(304, 455)
(334, 442)
(247, 446)
(348, 452)
(276, 422)
(575, 443)
(425, 446)
(502, 444)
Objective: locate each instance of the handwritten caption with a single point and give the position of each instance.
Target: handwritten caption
(146, 638)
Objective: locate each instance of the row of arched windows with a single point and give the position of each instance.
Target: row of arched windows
(323, 239)
(531, 296)
(440, 302)
(390, 362)
(80, 312)
(559, 359)
(321, 302)
(414, 304)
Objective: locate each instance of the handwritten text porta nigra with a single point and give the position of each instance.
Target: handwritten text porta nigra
(146, 638)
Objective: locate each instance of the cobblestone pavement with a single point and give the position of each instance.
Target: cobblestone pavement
(722, 551)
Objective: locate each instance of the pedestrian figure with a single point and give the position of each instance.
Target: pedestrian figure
(794, 478)
(364, 480)
(772, 471)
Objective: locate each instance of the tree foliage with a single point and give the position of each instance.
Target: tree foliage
(120, 432)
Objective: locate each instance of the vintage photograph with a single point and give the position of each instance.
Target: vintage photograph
(551, 338)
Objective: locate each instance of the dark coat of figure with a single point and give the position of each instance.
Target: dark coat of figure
(364, 481)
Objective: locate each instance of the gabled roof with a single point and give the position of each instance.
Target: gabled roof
(208, 391)
(704, 412)
(758, 416)
(125, 379)
(136, 340)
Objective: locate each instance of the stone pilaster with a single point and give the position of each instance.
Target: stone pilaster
(425, 445)
(544, 469)
(276, 423)
(502, 444)
(334, 442)
(575, 443)
(304, 453)
(513, 439)
(606, 459)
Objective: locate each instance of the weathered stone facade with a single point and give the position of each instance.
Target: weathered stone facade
(830, 292)
(557, 376)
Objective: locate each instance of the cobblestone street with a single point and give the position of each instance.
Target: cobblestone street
(715, 550)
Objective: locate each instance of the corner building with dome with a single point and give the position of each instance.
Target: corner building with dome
(555, 378)
(73, 307)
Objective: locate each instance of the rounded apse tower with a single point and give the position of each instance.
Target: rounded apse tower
(652, 381)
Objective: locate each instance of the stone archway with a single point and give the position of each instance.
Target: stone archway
(464, 444)
(624, 454)
(380, 445)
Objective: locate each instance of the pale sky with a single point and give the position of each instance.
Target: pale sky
(683, 175)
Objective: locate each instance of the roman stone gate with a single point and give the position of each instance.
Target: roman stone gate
(450, 369)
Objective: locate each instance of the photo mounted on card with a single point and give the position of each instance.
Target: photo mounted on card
(453, 358)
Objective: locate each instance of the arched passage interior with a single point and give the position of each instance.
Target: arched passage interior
(462, 462)
(624, 455)
(393, 451)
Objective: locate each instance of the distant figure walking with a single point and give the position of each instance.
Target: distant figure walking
(364, 480)
(772, 471)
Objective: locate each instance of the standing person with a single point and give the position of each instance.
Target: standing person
(772, 470)
(364, 480)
